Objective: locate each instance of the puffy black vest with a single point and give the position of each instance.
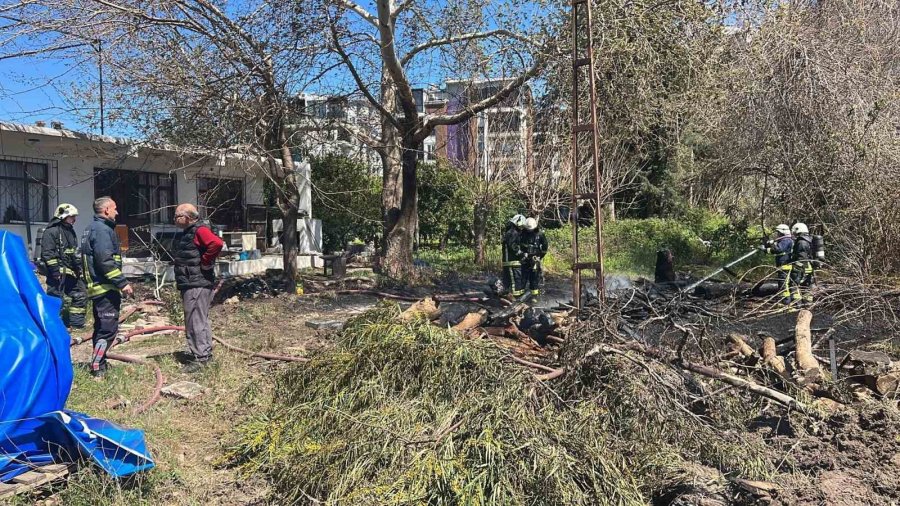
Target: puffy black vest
(188, 273)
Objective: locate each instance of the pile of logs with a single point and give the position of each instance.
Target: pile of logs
(519, 321)
(801, 368)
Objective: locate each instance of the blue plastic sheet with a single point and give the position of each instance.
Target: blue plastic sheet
(35, 379)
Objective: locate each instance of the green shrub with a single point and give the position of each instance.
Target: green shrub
(346, 196)
(405, 412)
(630, 245)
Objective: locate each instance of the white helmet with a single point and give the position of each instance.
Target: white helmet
(63, 211)
(518, 220)
(530, 224)
(799, 228)
(783, 230)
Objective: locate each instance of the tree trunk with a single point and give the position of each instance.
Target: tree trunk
(401, 219)
(807, 364)
(289, 202)
(398, 194)
(479, 223)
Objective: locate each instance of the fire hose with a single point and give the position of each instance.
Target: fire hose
(476, 298)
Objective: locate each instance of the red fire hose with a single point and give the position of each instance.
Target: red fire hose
(160, 379)
(473, 297)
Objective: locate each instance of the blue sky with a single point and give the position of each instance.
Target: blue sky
(35, 88)
(30, 90)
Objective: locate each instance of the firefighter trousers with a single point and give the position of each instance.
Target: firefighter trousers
(513, 280)
(803, 280)
(533, 278)
(106, 325)
(73, 293)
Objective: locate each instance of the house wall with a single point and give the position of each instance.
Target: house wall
(76, 155)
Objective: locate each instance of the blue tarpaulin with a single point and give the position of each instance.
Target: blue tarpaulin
(35, 379)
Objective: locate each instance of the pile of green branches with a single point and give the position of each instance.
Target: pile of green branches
(409, 413)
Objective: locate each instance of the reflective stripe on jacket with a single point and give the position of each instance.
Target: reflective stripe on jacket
(59, 249)
(102, 258)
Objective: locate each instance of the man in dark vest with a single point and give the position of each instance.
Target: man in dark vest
(196, 249)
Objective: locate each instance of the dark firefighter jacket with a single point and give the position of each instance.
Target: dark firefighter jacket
(59, 246)
(534, 243)
(102, 258)
(511, 252)
(782, 248)
(803, 248)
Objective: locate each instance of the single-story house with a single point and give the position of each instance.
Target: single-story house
(41, 167)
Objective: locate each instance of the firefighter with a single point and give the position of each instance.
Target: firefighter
(802, 257)
(59, 254)
(102, 263)
(512, 265)
(533, 244)
(782, 246)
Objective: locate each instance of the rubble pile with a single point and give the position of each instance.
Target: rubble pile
(272, 284)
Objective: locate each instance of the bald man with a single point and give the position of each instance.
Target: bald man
(196, 249)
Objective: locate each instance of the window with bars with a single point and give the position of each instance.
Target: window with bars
(222, 201)
(24, 190)
(142, 198)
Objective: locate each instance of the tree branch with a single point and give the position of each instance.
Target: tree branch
(452, 119)
(462, 38)
(392, 63)
(364, 14)
(356, 77)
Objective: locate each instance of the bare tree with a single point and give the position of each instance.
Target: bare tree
(808, 128)
(388, 49)
(195, 73)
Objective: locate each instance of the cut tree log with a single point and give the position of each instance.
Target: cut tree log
(807, 365)
(739, 344)
(886, 384)
(471, 320)
(771, 358)
(426, 307)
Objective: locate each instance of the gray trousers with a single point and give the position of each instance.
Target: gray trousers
(196, 322)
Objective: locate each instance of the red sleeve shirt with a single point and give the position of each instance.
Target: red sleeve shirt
(209, 243)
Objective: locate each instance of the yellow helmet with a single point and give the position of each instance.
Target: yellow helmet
(63, 211)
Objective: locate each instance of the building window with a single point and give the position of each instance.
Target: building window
(24, 190)
(222, 201)
(142, 198)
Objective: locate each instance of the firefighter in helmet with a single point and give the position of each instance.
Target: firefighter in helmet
(781, 247)
(512, 266)
(533, 245)
(59, 254)
(803, 255)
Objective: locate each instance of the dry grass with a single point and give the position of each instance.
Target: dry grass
(185, 436)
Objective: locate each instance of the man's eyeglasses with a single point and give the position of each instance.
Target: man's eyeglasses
(180, 216)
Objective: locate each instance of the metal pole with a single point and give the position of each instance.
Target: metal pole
(595, 136)
(100, 68)
(573, 211)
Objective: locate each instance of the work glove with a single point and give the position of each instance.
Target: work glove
(762, 247)
(525, 257)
